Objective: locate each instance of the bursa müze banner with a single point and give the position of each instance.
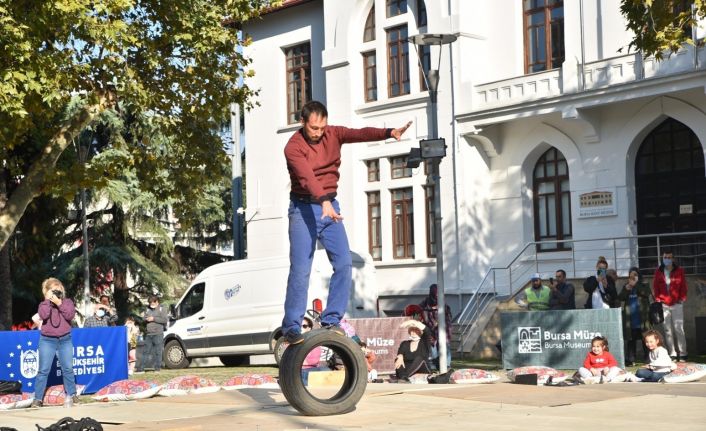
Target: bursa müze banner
(99, 357)
(559, 339)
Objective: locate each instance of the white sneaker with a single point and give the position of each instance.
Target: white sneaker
(632, 378)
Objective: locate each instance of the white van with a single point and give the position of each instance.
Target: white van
(235, 309)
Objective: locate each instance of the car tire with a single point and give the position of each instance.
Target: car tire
(354, 383)
(175, 356)
(280, 346)
(235, 360)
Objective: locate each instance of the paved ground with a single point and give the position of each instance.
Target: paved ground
(499, 406)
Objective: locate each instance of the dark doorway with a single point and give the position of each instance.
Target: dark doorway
(671, 195)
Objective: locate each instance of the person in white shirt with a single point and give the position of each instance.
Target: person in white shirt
(600, 288)
(660, 363)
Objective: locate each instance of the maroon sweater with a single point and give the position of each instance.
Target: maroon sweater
(313, 168)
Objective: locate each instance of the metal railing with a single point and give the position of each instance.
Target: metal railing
(578, 258)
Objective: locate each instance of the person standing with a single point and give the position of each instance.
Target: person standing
(98, 319)
(313, 155)
(56, 312)
(430, 317)
(536, 297)
(156, 318)
(600, 288)
(563, 293)
(111, 316)
(669, 288)
(635, 298)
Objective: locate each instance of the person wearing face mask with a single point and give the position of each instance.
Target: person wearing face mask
(536, 297)
(669, 288)
(600, 288)
(156, 318)
(413, 353)
(635, 299)
(110, 314)
(98, 319)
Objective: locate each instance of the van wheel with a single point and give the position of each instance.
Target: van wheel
(354, 383)
(235, 361)
(280, 346)
(175, 356)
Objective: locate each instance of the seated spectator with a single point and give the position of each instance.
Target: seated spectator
(369, 358)
(600, 288)
(413, 353)
(98, 319)
(313, 358)
(563, 293)
(133, 332)
(536, 297)
(599, 362)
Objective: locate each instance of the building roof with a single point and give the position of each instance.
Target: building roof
(286, 4)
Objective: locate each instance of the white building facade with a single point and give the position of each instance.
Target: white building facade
(553, 134)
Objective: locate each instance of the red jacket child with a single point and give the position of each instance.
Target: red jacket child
(677, 286)
(604, 360)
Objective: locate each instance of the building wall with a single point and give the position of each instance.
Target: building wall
(497, 122)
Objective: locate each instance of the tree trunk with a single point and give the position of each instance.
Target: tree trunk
(31, 184)
(5, 268)
(121, 295)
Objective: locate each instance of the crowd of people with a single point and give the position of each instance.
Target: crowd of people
(669, 288)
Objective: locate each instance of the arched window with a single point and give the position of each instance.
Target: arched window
(421, 13)
(369, 32)
(552, 200)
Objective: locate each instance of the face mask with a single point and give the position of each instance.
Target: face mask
(153, 306)
(100, 313)
(666, 261)
(413, 336)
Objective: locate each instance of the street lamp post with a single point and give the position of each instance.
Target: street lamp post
(435, 149)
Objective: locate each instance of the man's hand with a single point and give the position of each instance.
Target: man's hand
(150, 319)
(397, 133)
(328, 211)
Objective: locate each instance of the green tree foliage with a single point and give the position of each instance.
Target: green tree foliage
(661, 26)
(66, 62)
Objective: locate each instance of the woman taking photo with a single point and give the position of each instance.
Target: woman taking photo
(56, 313)
(600, 288)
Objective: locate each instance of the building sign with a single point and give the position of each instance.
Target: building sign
(686, 209)
(558, 339)
(99, 357)
(383, 336)
(597, 203)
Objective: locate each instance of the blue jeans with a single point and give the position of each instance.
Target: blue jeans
(649, 375)
(305, 228)
(49, 347)
(152, 352)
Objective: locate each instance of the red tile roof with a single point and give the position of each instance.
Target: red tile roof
(286, 4)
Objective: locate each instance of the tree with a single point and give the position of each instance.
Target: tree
(661, 26)
(65, 62)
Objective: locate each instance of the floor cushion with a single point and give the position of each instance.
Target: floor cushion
(124, 390)
(188, 385)
(15, 401)
(543, 373)
(686, 372)
(249, 381)
(419, 379)
(472, 375)
(55, 395)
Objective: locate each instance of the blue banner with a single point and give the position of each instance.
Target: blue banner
(100, 357)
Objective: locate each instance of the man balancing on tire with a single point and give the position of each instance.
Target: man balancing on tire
(313, 156)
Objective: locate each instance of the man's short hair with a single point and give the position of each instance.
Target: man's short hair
(153, 298)
(313, 107)
(563, 273)
(104, 296)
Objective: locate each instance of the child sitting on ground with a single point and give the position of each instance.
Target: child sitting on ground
(369, 359)
(660, 363)
(599, 363)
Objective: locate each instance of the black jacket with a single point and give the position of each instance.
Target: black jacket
(609, 295)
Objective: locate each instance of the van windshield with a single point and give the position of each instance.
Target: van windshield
(192, 302)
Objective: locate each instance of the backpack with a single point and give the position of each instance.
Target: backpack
(10, 387)
(70, 424)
